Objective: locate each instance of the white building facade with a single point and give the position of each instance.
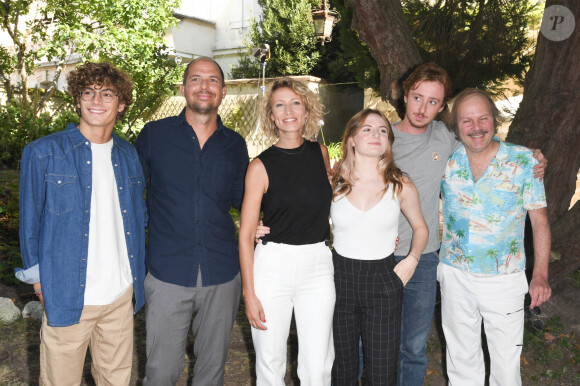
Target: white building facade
(213, 28)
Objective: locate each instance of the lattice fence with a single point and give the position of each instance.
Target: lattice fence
(238, 112)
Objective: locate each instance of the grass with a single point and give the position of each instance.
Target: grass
(575, 276)
(555, 350)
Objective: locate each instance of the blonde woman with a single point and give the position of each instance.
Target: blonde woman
(291, 270)
(369, 192)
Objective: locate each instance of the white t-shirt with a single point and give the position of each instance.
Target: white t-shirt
(365, 235)
(108, 268)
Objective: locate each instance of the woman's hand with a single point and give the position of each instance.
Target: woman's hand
(255, 312)
(406, 268)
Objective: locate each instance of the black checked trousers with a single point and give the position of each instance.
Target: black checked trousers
(369, 298)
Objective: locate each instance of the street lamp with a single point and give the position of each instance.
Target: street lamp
(324, 19)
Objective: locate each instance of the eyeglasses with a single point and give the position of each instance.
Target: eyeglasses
(107, 96)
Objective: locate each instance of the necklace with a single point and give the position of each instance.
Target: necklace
(296, 150)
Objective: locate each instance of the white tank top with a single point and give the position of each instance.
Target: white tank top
(365, 235)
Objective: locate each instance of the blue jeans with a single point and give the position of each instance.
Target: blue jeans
(418, 306)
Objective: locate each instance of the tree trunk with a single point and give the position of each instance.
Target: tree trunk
(382, 26)
(549, 119)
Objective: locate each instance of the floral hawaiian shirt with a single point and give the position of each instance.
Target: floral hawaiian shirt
(484, 221)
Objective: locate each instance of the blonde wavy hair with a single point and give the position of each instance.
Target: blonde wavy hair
(343, 179)
(311, 103)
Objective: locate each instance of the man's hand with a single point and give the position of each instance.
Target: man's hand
(261, 231)
(540, 291)
(540, 168)
(38, 292)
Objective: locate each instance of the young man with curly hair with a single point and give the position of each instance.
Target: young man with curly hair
(82, 233)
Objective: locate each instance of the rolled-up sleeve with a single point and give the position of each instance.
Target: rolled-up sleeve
(32, 197)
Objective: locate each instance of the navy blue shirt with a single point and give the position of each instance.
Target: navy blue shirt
(190, 192)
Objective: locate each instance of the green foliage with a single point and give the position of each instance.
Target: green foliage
(234, 118)
(334, 151)
(575, 276)
(285, 25)
(124, 32)
(9, 248)
(235, 214)
(481, 43)
(18, 129)
(346, 58)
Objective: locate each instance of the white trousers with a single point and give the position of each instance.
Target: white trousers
(299, 277)
(466, 300)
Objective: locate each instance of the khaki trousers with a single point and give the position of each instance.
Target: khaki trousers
(108, 330)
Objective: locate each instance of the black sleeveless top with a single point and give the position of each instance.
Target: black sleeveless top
(297, 203)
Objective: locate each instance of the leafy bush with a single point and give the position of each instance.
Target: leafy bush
(9, 248)
(16, 131)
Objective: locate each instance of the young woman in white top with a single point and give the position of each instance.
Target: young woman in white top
(369, 192)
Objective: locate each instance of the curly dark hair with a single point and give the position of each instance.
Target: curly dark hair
(104, 75)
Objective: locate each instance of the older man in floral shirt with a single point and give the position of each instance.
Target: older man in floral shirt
(487, 190)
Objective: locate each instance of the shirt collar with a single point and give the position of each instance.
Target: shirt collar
(501, 156)
(182, 121)
(78, 139)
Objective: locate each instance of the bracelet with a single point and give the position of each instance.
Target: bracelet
(38, 291)
(410, 254)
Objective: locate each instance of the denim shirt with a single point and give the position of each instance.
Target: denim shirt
(55, 210)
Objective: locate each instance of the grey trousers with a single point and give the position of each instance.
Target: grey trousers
(168, 312)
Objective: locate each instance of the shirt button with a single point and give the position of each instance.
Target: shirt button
(120, 188)
(59, 182)
(86, 143)
(86, 235)
(131, 256)
(88, 186)
(199, 222)
(116, 165)
(124, 210)
(88, 162)
(199, 243)
(128, 233)
(82, 285)
(86, 211)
